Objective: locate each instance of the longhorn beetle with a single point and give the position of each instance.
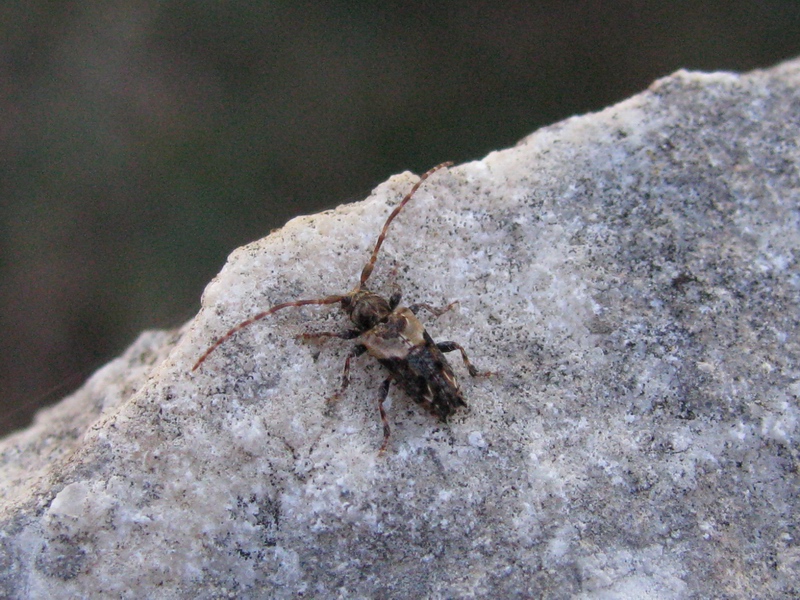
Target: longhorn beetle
(392, 334)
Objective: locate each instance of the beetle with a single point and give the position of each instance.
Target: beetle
(390, 333)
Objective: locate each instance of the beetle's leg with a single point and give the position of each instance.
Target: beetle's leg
(436, 312)
(384, 391)
(394, 299)
(356, 351)
(450, 346)
(344, 335)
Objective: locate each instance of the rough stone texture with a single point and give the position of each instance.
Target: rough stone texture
(632, 277)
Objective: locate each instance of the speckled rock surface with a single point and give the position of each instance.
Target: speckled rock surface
(632, 278)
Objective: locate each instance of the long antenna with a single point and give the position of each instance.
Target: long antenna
(371, 263)
(258, 317)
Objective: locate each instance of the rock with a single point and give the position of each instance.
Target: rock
(632, 279)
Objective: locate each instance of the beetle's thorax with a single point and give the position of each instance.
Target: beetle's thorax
(365, 308)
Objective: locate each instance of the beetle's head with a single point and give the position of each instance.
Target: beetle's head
(365, 309)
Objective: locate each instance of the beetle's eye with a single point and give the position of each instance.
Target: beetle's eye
(346, 301)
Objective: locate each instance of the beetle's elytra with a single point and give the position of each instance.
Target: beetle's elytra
(390, 333)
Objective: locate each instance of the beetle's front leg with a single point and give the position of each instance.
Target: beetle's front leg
(394, 299)
(436, 312)
(355, 352)
(450, 346)
(344, 335)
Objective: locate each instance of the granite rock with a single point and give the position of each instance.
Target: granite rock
(631, 277)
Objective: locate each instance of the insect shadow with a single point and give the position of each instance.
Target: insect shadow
(390, 333)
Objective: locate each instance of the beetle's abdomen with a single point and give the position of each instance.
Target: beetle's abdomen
(426, 376)
(403, 346)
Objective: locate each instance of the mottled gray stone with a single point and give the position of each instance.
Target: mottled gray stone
(632, 278)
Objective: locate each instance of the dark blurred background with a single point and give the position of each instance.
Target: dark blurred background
(141, 142)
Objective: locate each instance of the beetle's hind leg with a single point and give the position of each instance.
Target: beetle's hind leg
(382, 394)
(450, 346)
